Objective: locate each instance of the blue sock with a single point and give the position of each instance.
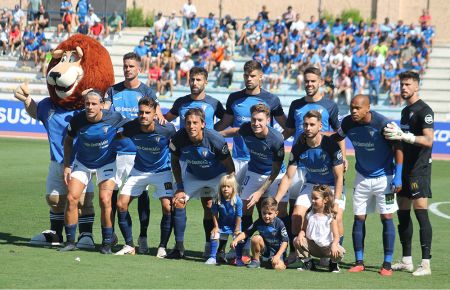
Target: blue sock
(388, 239)
(107, 233)
(341, 240)
(71, 231)
(126, 226)
(166, 229)
(239, 248)
(85, 223)
(214, 247)
(358, 235)
(144, 212)
(179, 223)
(57, 223)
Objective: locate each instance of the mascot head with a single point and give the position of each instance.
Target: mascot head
(78, 63)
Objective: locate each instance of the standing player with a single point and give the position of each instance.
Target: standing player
(313, 100)
(151, 167)
(123, 97)
(416, 133)
(198, 79)
(207, 159)
(375, 181)
(266, 147)
(95, 129)
(321, 157)
(237, 112)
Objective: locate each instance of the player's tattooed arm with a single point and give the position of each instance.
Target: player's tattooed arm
(281, 121)
(225, 122)
(288, 132)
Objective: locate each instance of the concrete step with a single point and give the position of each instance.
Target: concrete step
(436, 74)
(439, 63)
(438, 84)
(435, 95)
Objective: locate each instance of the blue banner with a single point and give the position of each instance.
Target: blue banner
(14, 118)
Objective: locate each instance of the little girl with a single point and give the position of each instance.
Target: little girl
(227, 214)
(319, 236)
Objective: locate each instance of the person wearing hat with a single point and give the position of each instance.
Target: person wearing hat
(91, 18)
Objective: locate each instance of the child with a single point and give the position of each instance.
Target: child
(319, 236)
(227, 214)
(272, 240)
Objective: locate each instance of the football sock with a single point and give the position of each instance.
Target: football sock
(166, 229)
(126, 226)
(213, 250)
(405, 231)
(71, 231)
(144, 212)
(247, 221)
(239, 249)
(222, 244)
(341, 240)
(358, 235)
(208, 225)
(388, 239)
(179, 223)
(57, 223)
(85, 223)
(107, 233)
(289, 229)
(425, 232)
(114, 206)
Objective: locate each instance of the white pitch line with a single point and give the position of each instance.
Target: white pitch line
(434, 209)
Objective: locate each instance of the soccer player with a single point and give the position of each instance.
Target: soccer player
(151, 167)
(313, 100)
(322, 159)
(208, 158)
(237, 112)
(266, 147)
(198, 79)
(95, 129)
(416, 133)
(377, 180)
(123, 97)
(55, 120)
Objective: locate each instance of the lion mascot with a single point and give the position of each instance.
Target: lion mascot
(77, 64)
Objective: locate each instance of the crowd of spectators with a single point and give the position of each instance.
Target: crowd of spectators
(354, 57)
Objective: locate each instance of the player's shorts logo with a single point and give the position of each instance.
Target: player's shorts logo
(414, 185)
(168, 185)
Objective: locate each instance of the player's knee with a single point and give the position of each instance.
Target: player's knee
(257, 240)
(121, 206)
(105, 201)
(56, 202)
(72, 200)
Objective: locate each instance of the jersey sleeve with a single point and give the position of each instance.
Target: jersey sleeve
(290, 121)
(276, 109)
(150, 93)
(42, 109)
(427, 118)
(221, 149)
(215, 208)
(220, 110)
(175, 107)
(253, 228)
(295, 153)
(229, 104)
(282, 232)
(175, 144)
(278, 148)
(73, 126)
(334, 118)
(345, 126)
(238, 206)
(335, 152)
(129, 129)
(108, 94)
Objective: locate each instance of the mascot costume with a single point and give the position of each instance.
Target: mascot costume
(77, 64)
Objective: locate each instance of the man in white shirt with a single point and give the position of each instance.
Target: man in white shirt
(185, 66)
(297, 24)
(91, 18)
(227, 67)
(188, 11)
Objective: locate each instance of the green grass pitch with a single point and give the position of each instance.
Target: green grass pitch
(24, 213)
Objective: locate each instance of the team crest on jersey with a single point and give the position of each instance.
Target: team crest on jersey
(157, 138)
(323, 156)
(371, 133)
(204, 107)
(105, 129)
(320, 111)
(339, 155)
(411, 114)
(225, 149)
(428, 119)
(204, 153)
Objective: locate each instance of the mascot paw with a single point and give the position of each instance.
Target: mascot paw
(22, 92)
(47, 238)
(86, 241)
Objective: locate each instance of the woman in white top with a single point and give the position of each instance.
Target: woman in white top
(319, 236)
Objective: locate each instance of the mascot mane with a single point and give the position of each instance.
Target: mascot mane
(79, 63)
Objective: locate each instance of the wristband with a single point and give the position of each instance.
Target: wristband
(398, 169)
(180, 186)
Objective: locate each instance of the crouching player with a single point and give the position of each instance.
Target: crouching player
(319, 236)
(95, 129)
(272, 241)
(208, 158)
(151, 167)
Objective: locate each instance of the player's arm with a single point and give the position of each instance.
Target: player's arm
(237, 227)
(22, 93)
(281, 250)
(170, 117)
(335, 243)
(229, 164)
(225, 122)
(254, 198)
(180, 195)
(301, 237)
(230, 132)
(68, 148)
(281, 119)
(237, 239)
(288, 132)
(285, 182)
(338, 172)
(160, 116)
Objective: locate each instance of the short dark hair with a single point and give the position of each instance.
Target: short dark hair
(252, 65)
(195, 112)
(269, 203)
(96, 92)
(196, 70)
(409, 75)
(312, 70)
(260, 108)
(313, 114)
(148, 101)
(132, 55)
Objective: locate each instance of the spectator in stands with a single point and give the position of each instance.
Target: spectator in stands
(15, 40)
(209, 23)
(334, 66)
(343, 85)
(216, 57)
(142, 51)
(227, 67)
(185, 66)
(194, 26)
(5, 19)
(97, 31)
(188, 11)
(18, 16)
(114, 24)
(30, 50)
(425, 18)
(154, 75)
(65, 7)
(167, 81)
(394, 92)
(3, 40)
(171, 25)
(91, 17)
(288, 17)
(160, 22)
(407, 55)
(264, 13)
(82, 11)
(83, 28)
(375, 77)
(359, 81)
(201, 32)
(42, 19)
(178, 35)
(66, 24)
(180, 53)
(33, 9)
(195, 45)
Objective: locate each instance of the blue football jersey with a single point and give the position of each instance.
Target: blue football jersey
(212, 108)
(55, 120)
(227, 214)
(94, 139)
(152, 148)
(125, 101)
(263, 151)
(239, 104)
(273, 234)
(204, 160)
(298, 109)
(318, 161)
(374, 155)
